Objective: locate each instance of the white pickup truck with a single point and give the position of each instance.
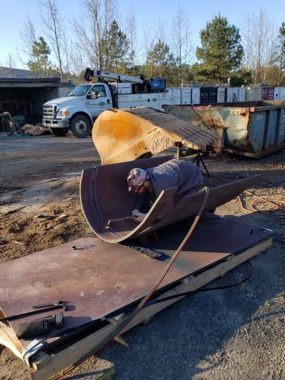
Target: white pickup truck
(79, 109)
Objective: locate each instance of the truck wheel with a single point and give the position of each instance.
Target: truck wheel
(80, 126)
(59, 131)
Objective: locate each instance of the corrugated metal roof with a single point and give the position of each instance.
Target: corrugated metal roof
(7, 72)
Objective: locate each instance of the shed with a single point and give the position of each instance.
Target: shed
(23, 94)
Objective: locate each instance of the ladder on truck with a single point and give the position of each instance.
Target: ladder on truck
(89, 73)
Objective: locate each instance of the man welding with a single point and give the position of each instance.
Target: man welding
(147, 184)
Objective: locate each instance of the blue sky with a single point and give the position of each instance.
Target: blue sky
(148, 14)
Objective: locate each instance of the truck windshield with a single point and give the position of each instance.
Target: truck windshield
(80, 90)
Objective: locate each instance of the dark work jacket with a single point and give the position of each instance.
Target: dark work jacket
(184, 175)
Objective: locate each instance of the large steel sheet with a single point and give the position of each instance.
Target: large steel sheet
(98, 278)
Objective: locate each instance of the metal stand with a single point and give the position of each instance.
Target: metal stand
(178, 146)
(199, 159)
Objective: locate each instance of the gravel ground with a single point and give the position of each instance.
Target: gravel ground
(235, 333)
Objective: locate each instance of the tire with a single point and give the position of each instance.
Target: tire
(80, 126)
(59, 131)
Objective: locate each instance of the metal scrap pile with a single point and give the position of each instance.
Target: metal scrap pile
(9, 126)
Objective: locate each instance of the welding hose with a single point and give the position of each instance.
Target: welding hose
(126, 319)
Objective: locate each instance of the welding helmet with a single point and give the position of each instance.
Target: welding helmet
(136, 178)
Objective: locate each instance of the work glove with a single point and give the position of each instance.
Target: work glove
(138, 216)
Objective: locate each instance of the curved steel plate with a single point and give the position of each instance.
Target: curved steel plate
(104, 196)
(125, 135)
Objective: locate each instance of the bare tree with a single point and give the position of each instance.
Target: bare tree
(149, 41)
(66, 54)
(55, 30)
(146, 43)
(272, 53)
(161, 32)
(77, 61)
(181, 40)
(258, 42)
(10, 61)
(247, 44)
(99, 15)
(132, 37)
(28, 38)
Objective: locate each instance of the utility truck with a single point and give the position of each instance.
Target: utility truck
(80, 108)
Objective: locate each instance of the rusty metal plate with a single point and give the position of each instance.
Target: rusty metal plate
(99, 278)
(214, 234)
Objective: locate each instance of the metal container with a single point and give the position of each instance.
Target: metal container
(252, 94)
(267, 93)
(221, 95)
(208, 95)
(183, 95)
(195, 95)
(235, 94)
(186, 95)
(279, 93)
(247, 128)
(174, 95)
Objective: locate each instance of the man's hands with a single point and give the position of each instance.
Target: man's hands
(138, 216)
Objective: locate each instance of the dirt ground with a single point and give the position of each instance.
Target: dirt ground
(231, 334)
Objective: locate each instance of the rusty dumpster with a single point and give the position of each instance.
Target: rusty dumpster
(251, 129)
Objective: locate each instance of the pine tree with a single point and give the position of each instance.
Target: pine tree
(221, 50)
(39, 62)
(159, 60)
(114, 49)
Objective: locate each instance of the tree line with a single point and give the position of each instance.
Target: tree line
(224, 56)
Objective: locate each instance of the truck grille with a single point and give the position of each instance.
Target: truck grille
(49, 111)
